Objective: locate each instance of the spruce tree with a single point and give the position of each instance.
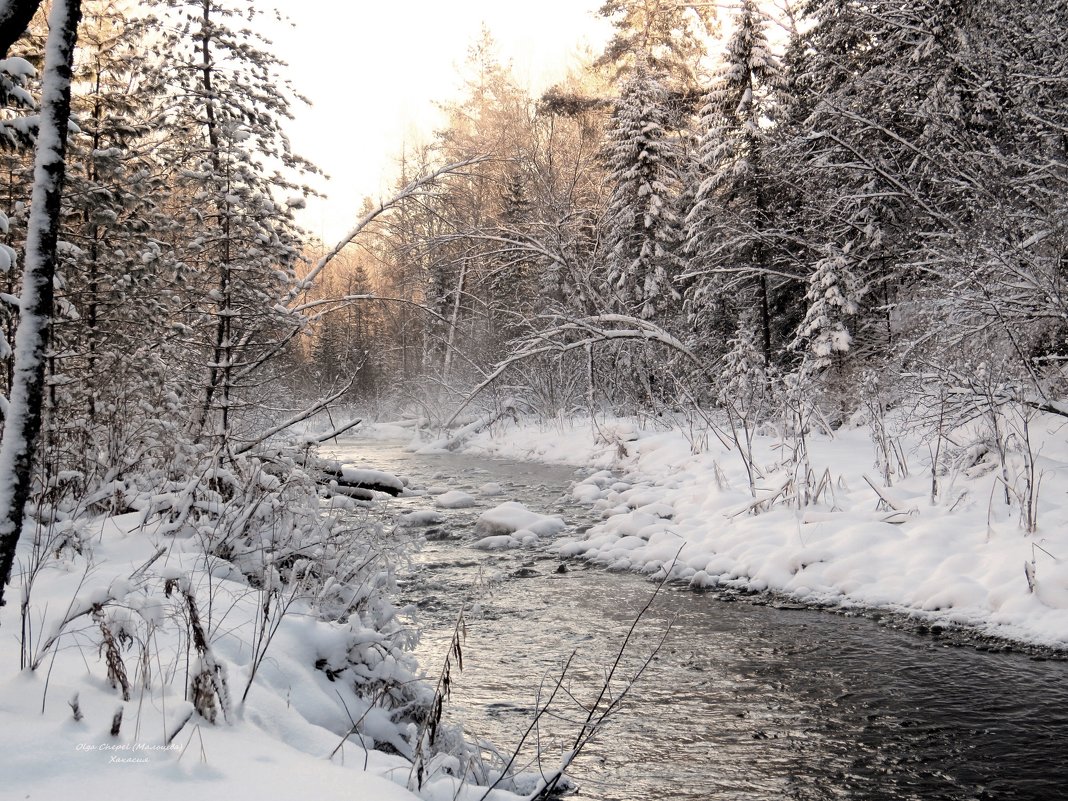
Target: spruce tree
(830, 296)
(641, 227)
(108, 361)
(729, 228)
(237, 181)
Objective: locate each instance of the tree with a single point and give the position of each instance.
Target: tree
(15, 16)
(347, 339)
(641, 228)
(934, 166)
(22, 423)
(830, 295)
(661, 36)
(729, 229)
(107, 362)
(225, 105)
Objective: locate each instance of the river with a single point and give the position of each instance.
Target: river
(745, 700)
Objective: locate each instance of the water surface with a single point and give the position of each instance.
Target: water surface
(743, 701)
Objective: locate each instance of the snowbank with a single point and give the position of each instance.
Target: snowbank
(962, 559)
(105, 710)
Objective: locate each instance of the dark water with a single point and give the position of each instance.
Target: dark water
(743, 701)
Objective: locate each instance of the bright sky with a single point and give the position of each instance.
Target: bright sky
(374, 70)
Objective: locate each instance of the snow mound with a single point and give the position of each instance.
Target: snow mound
(498, 542)
(503, 542)
(421, 517)
(454, 499)
(492, 488)
(586, 493)
(510, 517)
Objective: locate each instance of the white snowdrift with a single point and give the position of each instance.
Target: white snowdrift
(960, 560)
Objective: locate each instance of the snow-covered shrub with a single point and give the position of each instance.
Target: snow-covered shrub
(259, 549)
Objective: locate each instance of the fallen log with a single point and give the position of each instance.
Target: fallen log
(356, 478)
(466, 432)
(356, 482)
(358, 493)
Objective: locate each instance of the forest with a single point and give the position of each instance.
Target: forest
(873, 209)
(748, 219)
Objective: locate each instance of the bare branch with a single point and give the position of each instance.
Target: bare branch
(412, 189)
(299, 417)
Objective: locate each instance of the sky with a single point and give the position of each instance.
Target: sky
(374, 71)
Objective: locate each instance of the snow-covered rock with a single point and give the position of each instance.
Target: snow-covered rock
(454, 499)
(421, 517)
(510, 517)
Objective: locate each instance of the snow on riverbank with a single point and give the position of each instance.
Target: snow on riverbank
(964, 559)
(114, 610)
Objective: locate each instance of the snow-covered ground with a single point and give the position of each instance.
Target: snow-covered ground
(111, 614)
(963, 559)
(119, 589)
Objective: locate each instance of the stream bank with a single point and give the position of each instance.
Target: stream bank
(760, 700)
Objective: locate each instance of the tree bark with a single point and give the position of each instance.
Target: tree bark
(23, 424)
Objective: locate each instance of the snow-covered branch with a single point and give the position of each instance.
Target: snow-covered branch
(299, 417)
(579, 335)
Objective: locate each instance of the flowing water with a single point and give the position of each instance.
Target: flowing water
(743, 701)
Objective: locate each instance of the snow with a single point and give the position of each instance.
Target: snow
(958, 561)
(421, 517)
(276, 746)
(521, 538)
(17, 67)
(364, 475)
(510, 517)
(454, 499)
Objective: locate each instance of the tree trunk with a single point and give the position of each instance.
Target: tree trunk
(23, 424)
(454, 321)
(15, 16)
(765, 319)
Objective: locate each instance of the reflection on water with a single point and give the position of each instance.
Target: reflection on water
(744, 701)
